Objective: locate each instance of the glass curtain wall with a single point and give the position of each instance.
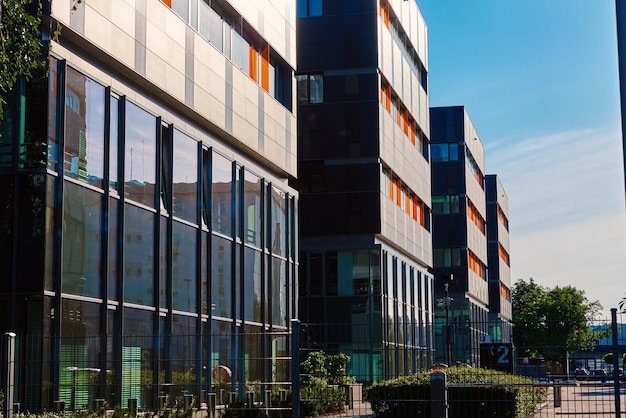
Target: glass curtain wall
(183, 272)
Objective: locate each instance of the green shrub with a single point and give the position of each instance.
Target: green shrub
(472, 392)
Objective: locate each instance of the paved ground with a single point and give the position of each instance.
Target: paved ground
(593, 400)
(584, 400)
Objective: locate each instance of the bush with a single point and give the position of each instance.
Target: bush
(473, 392)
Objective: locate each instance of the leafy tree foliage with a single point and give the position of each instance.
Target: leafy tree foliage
(20, 43)
(552, 322)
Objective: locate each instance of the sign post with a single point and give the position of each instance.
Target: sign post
(498, 356)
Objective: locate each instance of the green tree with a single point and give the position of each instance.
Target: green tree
(552, 322)
(21, 51)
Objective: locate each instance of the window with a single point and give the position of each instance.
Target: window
(185, 177)
(308, 8)
(210, 25)
(447, 257)
(310, 88)
(84, 129)
(445, 204)
(140, 155)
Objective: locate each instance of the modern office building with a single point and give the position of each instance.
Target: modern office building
(459, 235)
(148, 239)
(498, 261)
(364, 183)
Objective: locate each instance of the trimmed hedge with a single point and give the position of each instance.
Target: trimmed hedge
(471, 393)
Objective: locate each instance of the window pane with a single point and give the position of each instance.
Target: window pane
(52, 114)
(456, 257)
(454, 204)
(137, 354)
(301, 8)
(277, 225)
(181, 8)
(79, 352)
(252, 285)
(82, 247)
(138, 256)
(240, 52)
(279, 292)
(454, 154)
(185, 175)
(252, 209)
(317, 88)
(184, 268)
(221, 277)
(222, 183)
(303, 88)
(112, 261)
(84, 129)
(439, 152)
(315, 7)
(113, 148)
(140, 155)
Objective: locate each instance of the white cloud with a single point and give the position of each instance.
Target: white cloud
(566, 210)
(590, 256)
(559, 179)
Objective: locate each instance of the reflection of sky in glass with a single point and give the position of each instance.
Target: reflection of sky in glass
(113, 141)
(140, 152)
(185, 159)
(95, 128)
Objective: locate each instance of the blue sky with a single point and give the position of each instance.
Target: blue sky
(539, 80)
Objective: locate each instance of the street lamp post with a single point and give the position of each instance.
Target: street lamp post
(445, 303)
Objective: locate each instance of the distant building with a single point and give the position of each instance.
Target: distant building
(498, 261)
(148, 233)
(364, 182)
(459, 235)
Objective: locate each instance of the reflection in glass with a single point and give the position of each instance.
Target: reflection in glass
(254, 353)
(137, 355)
(222, 183)
(138, 256)
(140, 155)
(279, 292)
(222, 362)
(252, 209)
(278, 225)
(84, 129)
(49, 233)
(79, 352)
(183, 353)
(53, 95)
(252, 285)
(113, 145)
(82, 246)
(163, 271)
(184, 268)
(185, 177)
(113, 247)
(221, 277)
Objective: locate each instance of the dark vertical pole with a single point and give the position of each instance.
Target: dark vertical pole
(8, 375)
(620, 14)
(616, 357)
(295, 368)
(438, 395)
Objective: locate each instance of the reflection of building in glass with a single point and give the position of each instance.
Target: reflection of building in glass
(364, 176)
(148, 230)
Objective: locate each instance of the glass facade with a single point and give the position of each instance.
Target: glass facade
(181, 278)
(374, 305)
